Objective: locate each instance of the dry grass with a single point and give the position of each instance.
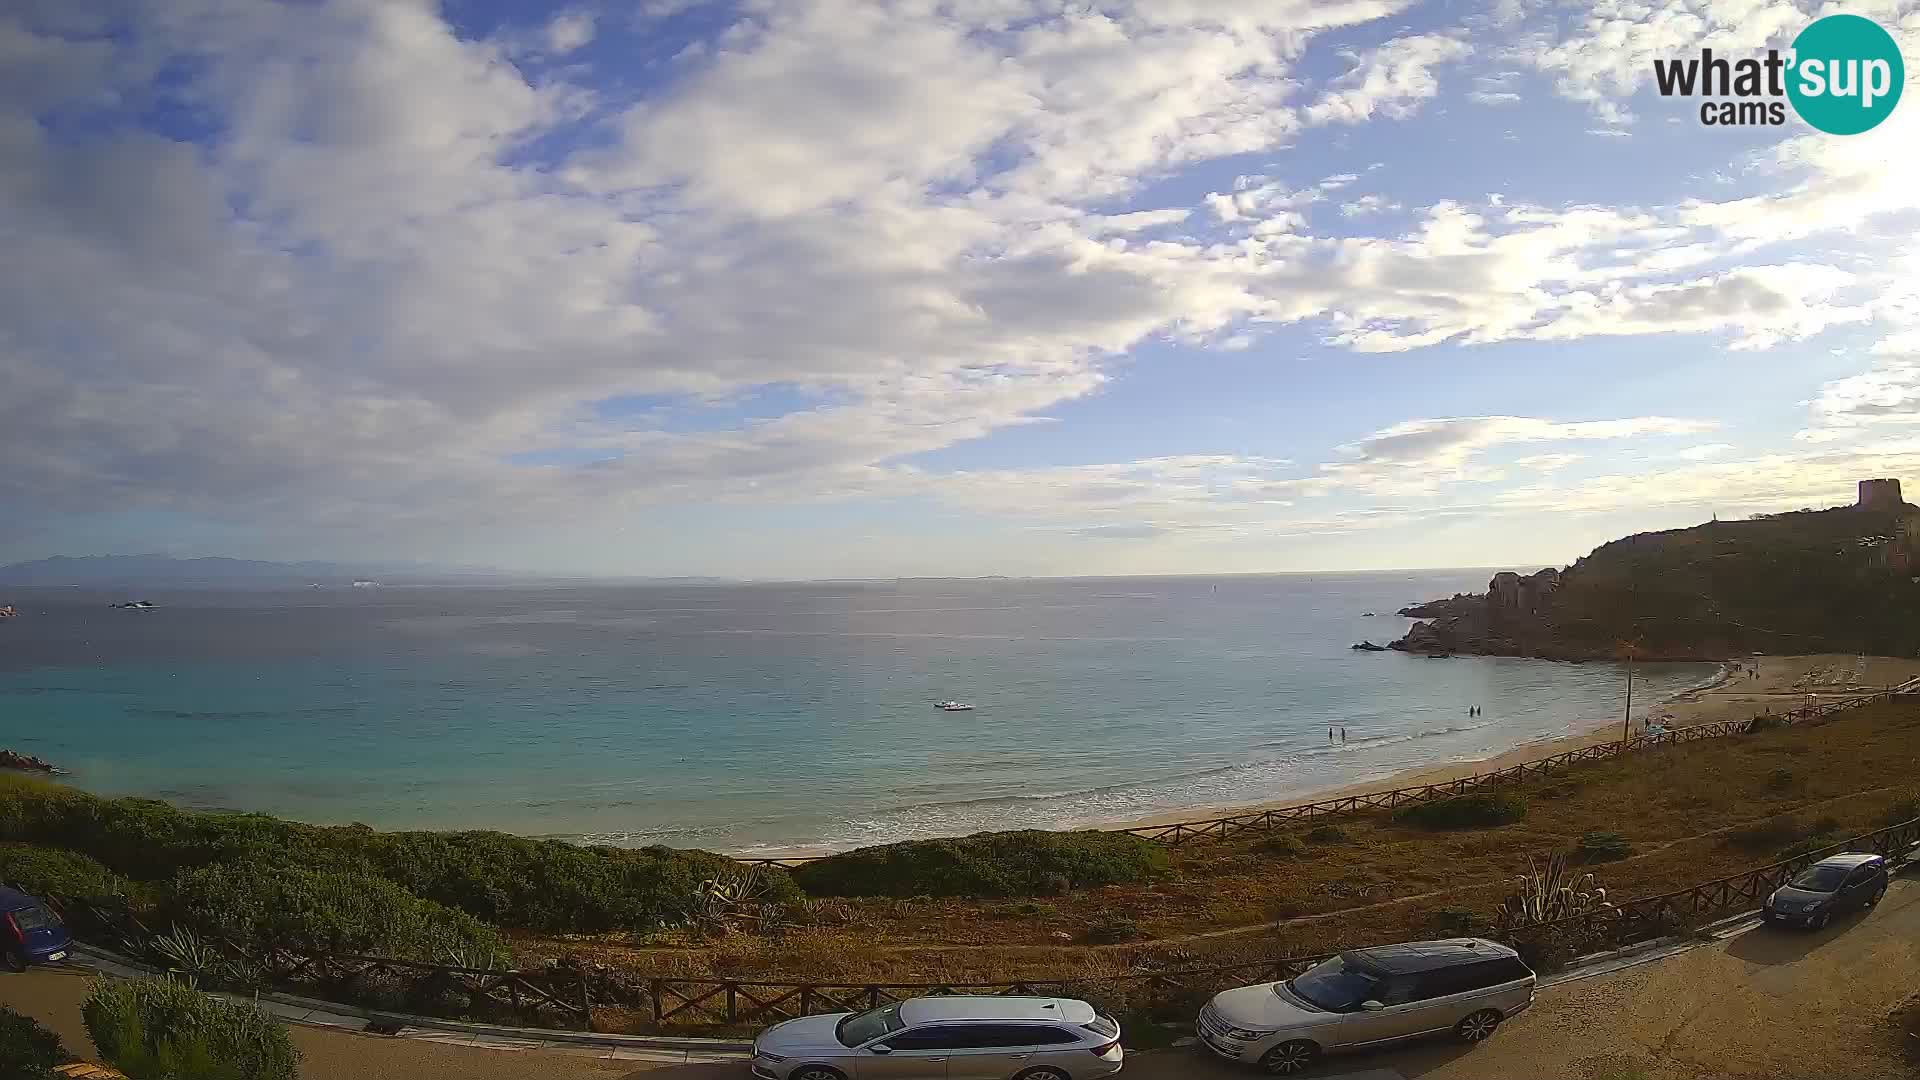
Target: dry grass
(1690, 813)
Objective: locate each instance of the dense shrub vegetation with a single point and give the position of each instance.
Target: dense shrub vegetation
(155, 1029)
(1283, 845)
(41, 871)
(1602, 847)
(1465, 812)
(27, 1050)
(1327, 834)
(511, 881)
(1786, 583)
(328, 911)
(987, 864)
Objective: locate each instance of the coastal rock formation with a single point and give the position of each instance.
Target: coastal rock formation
(1368, 646)
(1840, 580)
(24, 762)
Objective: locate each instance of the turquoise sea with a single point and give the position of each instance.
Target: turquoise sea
(763, 717)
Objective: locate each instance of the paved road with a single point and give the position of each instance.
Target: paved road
(1765, 1004)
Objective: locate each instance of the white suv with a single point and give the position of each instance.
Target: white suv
(1367, 997)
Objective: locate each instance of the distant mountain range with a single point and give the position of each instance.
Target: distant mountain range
(164, 571)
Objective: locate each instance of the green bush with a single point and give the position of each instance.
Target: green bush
(1464, 812)
(1901, 810)
(1327, 834)
(1284, 845)
(986, 864)
(53, 872)
(1112, 931)
(156, 1029)
(1602, 847)
(1765, 835)
(546, 885)
(328, 911)
(1780, 779)
(1810, 844)
(27, 1050)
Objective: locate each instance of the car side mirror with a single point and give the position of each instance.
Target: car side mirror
(1372, 1006)
(883, 1048)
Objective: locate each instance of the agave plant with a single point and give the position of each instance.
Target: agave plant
(1546, 893)
(193, 958)
(723, 902)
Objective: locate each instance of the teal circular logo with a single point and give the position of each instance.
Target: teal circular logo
(1847, 74)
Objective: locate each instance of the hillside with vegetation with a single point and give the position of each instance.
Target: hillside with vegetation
(1840, 581)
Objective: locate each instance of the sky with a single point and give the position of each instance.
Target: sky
(873, 288)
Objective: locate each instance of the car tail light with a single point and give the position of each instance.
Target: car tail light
(1110, 1052)
(19, 935)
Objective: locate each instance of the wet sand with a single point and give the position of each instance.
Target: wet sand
(1784, 682)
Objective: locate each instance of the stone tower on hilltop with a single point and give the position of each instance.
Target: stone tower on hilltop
(1880, 495)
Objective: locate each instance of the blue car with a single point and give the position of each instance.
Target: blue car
(30, 933)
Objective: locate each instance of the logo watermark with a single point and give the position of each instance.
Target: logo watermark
(1843, 75)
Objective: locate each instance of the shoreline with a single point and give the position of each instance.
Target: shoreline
(1784, 682)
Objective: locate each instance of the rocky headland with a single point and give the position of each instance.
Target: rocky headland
(1845, 580)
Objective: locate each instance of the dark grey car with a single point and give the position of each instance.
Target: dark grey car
(1841, 883)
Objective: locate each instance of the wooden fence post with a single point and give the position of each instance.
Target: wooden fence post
(586, 1002)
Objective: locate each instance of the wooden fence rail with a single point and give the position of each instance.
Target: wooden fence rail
(566, 993)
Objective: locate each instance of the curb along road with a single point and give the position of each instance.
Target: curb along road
(312, 1013)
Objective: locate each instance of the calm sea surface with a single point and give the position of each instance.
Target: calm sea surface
(764, 716)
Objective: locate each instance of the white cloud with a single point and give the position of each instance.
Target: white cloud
(1497, 88)
(1705, 451)
(1547, 463)
(570, 31)
(1367, 204)
(404, 256)
(1393, 79)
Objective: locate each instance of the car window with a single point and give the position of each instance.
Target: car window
(1048, 1036)
(1821, 878)
(1335, 985)
(983, 1036)
(936, 1037)
(868, 1026)
(1397, 990)
(1442, 982)
(33, 918)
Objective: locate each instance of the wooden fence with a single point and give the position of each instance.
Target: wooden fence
(1180, 833)
(565, 994)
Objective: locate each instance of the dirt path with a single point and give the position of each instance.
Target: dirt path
(1760, 1006)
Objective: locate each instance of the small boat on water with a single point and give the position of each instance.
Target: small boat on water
(953, 706)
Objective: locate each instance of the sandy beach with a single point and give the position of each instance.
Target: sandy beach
(1781, 683)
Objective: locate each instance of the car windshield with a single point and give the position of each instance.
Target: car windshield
(865, 1027)
(1334, 985)
(33, 918)
(1821, 878)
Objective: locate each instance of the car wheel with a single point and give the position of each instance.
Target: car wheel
(16, 960)
(816, 1072)
(1290, 1058)
(1819, 921)
(1478, 1026)
(1044, 1072)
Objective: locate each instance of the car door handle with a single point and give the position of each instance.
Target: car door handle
(942, 1057)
